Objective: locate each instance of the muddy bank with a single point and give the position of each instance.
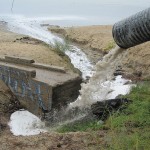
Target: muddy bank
(8, 105)
(55, 141)
(96, 41)
(137, 62)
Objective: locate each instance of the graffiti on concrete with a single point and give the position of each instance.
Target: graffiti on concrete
(22, 85)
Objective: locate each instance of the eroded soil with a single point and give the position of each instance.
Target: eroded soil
(96, 41)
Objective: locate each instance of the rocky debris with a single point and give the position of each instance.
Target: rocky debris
(8, 102)
(2, 127)
(119, 71)
(28, 40)
(8, 105)
(98, 111)
(102, 109)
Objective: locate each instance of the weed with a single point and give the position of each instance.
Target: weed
(109, 46)
(60, 49)
(62, 46)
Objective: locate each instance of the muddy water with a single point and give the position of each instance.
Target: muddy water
(98, 88)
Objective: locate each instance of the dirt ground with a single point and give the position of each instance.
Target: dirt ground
(93, 40)
(54, 141)
(96, 41)
(43, 141)
(12, 44)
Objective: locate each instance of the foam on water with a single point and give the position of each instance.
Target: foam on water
(101, 85)
(24, 123)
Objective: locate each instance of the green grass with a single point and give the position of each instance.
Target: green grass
(62, 46)
(84, 126)
(128, 129)
(109, 46)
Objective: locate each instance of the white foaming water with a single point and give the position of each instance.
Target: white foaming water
(101, 86)
(32, 27)
(24, 123)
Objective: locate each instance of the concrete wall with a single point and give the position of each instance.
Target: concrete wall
(32, 90)
(66, 93)
(33, 94)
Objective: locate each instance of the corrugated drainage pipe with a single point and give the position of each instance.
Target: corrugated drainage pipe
(133, 30)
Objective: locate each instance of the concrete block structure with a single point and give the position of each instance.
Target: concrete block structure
(37, 86)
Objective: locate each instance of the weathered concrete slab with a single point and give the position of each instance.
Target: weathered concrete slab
(31, 63)
(39, 88)
(48, 67)
(17, 72)
(19, 60)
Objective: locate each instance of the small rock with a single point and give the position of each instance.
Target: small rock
(59, 145)
(102, 109)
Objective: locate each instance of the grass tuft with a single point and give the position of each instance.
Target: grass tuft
(84, 126)
(109, 46)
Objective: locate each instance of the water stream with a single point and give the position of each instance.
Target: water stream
(32, 27)
(101, 86)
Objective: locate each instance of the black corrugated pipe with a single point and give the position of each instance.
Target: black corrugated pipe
(133, 30)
